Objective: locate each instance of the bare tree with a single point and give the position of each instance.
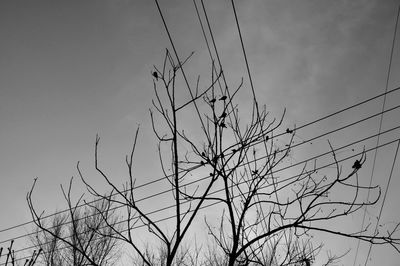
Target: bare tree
(267, 216)
(80, 236)
(9, 258)
(51, 246)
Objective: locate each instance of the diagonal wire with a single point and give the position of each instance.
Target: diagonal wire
(159, 179)
(283, 150)
(380, 123)
(247, 62)
(252, 88)
(384, 199)
(280, 134)
(287, 179)
(278, 170)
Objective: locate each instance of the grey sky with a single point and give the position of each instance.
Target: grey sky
(71, 69)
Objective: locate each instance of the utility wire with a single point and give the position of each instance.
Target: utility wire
(246, 62)
(79, 206)
(380, 124)
(218, 58)
(283, 150)
(384, 199)
(275, 136)
(287, 179)
(260, 158)
(277, 171)
(223, 75)
(148, 183)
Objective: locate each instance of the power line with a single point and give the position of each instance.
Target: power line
(159, 179)
(278, 170)
(287, 179)
(380, 122)
(384, 199)
(246, 62)
(162, 178)
(63, 211)
(298, 128)
(275, 136)
(260, 158)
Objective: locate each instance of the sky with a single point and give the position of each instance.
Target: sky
(72, 69)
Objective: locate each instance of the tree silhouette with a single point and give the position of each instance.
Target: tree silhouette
(267, 216)
(11, 260)
(82, 236)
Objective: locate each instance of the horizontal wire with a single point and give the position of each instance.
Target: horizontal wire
(206, 206)
(165, 177)
(278, 170)
(203, 178)
(206, 177)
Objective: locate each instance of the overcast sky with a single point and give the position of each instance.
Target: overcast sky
(72, 69)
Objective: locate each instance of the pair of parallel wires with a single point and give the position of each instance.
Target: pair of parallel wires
(303, 126)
